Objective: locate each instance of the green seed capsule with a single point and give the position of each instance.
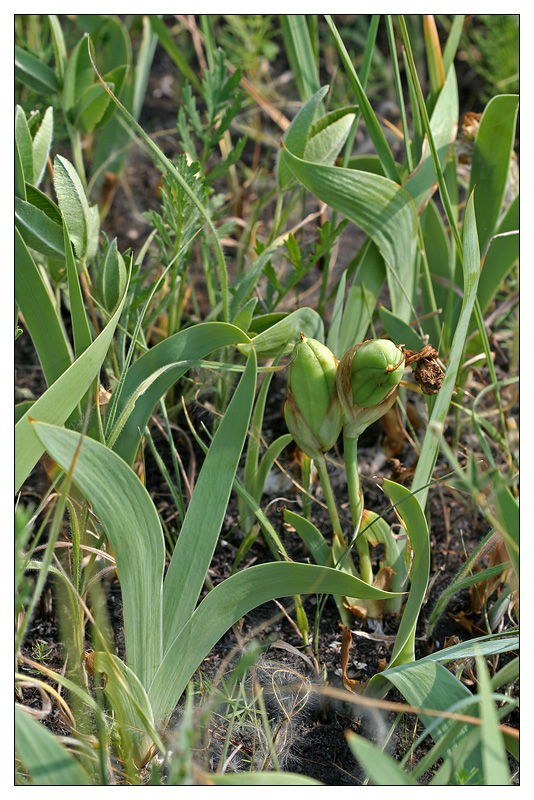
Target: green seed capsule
(312, 411)
(368, 380)
(376, 369)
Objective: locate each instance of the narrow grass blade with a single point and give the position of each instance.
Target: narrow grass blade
(423, 182)
(381, 768)
(300, 53)
(471, 266)
(453, 40)
(130, 520)
(48, 762)
(167, 164)
(80, 326)
(58, 402)
(38, 310)
(373, 126)
(206, 511)
(494, 759)
(187, 346)
(382, 208)
(231, 600)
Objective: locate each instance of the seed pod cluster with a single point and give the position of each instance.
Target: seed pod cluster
(325, 396)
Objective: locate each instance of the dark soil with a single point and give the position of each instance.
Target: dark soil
(318, 747)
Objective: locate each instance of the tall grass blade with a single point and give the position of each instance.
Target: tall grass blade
(471, 267)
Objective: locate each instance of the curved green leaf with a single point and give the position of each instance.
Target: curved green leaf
(39, 231)
(378, 205)
(30, 71)
(491, 162)
(280, 338)
(206, 511)
(130, 520)
(58, 402)
(414, 520)
(42, 142)
(382, 768)
(231, 600)
(39, 313)
(187, 346)
(72, 200)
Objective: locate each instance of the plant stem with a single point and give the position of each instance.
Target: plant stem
(322, 471)
(350, 446)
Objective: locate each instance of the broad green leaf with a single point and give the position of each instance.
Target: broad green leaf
(501, 255)
(422, 183)
(471, 266)
(74, 206)
(328, 136)
(23, 139)
(60, 400)
(20, 185)
(112, 277)
(48, 762)
(79, 75)
(362, 298)
(42, 142)
(260, 779)
(491, 162)
(30, 71)
(382, 768)
(38, 230)
(90, 107)
(42, 201)
(382, 208)
(231, 600)
(416, 528)
(399, 331)
(187, 346)
(283, 335)
(131, 523)
(296, 136)
(39, 312)
(507, 511)
(206, 511)
(311, 536)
